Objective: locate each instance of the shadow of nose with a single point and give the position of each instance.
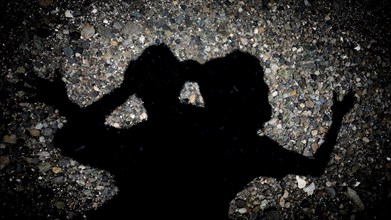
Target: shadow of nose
(265, 114)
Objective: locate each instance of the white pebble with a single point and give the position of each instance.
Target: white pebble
(68, 14)
(242, 210)
(310, 189)
(300, 182)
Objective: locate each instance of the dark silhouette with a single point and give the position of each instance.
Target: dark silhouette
(184, 162)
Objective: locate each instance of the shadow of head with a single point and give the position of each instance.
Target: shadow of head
(234, 88)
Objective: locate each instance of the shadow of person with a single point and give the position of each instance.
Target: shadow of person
(184, 162)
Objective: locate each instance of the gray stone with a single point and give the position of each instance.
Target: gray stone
(131, 28)
(87, 31)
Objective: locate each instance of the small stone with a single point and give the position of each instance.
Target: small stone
(56, 170)
(45, 3)
(274, 67)
(43, 154)
(282, 202)
(44, 167)
(327, 17)
(20, 70)
(9, 139)
(242, 210)
(337, 157)
(244, 41)
(301, 183)
(100, 188)
(68, 14)
(275, 93)
(365, 139)
(143, 116)
(309, 104)
(330, 192)
(35, 132)
(58, 179)
(63, 162)
(314, 147)
(293, 93)
(4, 161)
(117, 25)
(68, 51)
(131, 28)
(352, 194)
(39, 126)
(192, 99)
(47, 132)
(19, 188)
(168, 34)
(104, 31)
(310, 189)
(87, 31)
(142, 39)
(116, 125)
(314, 133)
(114, 43)
(268, 71)
(261, 30)
(59, 204)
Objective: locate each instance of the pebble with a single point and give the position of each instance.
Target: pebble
(242, 210)
(365, 139)
(330, 192)
(309, 104)
(43, 154)
(310, 189)
(68, 51)
(68, 14)
(63, 162)
(39, 126)
(44, 167)
(35, 132)
(9, 139)
(104, 31)
(45, 3)
(352, 194)
(244, 41)
(314, 147)
(117, 25)
(87, 31)
(4, 161)
(47, 132)
(56, 170)
(274, 67)
(59, 204)
(301, 183)
(131, 28)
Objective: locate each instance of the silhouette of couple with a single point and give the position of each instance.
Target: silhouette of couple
(183, 162)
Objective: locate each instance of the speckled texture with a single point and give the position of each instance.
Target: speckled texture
(307, 49)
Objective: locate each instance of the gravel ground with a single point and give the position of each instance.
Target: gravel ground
(307, 49)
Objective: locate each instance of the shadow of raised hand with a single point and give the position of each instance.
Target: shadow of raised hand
(53, 93)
